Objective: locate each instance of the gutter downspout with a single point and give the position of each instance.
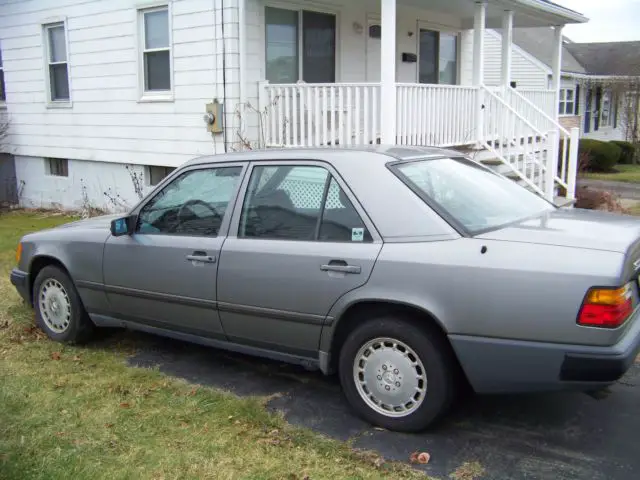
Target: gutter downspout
(242, 67)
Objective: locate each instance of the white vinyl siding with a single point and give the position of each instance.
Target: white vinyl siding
(108, 122)
(525, 71)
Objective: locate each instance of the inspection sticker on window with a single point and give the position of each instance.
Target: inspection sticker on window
(357, 234)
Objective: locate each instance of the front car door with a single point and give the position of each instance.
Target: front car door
(164, 274)
(297, 242)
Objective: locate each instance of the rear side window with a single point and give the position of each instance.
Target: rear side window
(299, 202)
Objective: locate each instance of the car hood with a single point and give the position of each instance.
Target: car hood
(103, 221)
(576, 228)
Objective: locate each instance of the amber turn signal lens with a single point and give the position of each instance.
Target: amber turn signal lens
(606, 307)
(18, 253)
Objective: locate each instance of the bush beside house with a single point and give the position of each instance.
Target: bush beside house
(603, 156)
(628, 151)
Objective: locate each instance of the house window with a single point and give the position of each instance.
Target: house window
(58, 68)
(58, 167)
(567, 101)
(300, 45)
(155, 56)
(438, 57)
(156, 174)
(606, 111)
(3, 95)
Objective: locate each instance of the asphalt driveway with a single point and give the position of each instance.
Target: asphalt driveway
(551, 436)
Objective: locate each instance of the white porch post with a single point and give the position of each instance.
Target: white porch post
(388, 110)
(507, 47)
(557, 66)
(479, 20)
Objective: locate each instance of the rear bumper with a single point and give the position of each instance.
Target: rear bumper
(512, 366)
(20, 280)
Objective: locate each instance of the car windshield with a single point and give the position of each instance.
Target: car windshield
(476, 198)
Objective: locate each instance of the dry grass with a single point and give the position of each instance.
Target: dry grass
(81, 412)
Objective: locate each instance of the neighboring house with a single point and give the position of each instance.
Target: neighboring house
(104, 94)
(593, 77)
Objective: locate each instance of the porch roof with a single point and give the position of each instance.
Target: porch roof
(527, 13)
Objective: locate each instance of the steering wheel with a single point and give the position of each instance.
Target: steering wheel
(189, 203)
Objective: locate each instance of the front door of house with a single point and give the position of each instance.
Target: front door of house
(438, 57)
(373, 51)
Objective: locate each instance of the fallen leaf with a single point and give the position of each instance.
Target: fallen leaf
(420, 458)
(108, 425)
(60, 434)
(124, 405)
(55, 356)
(193, 392)
(184, 424)
(77, 358)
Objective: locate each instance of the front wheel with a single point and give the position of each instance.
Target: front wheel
(397, 375)
(59, 310)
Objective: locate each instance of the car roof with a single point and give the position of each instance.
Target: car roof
(385, 153)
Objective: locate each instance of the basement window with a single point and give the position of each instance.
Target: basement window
(57, 167)
(155, 175)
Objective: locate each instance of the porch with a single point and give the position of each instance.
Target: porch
(414, 82)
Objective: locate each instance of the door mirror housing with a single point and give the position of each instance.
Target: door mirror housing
(123, 226)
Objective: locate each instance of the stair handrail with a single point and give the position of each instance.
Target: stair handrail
(535, 130)
(552, 120)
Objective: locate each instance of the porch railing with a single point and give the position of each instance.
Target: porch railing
(308, 114)
(436, 115)
(545, 100)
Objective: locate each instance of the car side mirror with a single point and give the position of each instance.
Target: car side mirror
(122, 226)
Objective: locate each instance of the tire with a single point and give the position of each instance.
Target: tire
(59, 310)
(428, 351)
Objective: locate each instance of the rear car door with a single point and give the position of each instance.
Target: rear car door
(164, 274)
(298, 241)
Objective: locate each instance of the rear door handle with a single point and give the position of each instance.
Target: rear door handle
(341, 268)
(201, 257)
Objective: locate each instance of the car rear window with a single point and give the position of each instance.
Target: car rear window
(470, 195)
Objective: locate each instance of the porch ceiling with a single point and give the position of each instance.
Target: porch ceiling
(527, 13)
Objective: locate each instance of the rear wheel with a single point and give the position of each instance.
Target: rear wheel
(397, 375)
(59, 310)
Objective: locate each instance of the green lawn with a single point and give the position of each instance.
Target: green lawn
(622, 173)
(81, 412)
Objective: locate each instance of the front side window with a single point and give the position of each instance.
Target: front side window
(58, 67)
(291, 56)
(299, 203)
(567, 101)
(192, 204)
(438, 57)
(474, 197)
(156, 50)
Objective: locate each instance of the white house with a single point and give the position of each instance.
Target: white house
(104, 94)
(591, 72)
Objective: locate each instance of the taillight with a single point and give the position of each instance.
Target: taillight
(606, 307)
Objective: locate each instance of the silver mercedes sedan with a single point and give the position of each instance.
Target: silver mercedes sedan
(408, 271)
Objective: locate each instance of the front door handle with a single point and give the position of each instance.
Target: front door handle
(342, 267)
(202, 257)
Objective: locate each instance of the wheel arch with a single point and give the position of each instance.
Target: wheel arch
(349, 318)
(39, 262)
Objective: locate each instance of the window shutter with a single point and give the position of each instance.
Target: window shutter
(577, 108)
